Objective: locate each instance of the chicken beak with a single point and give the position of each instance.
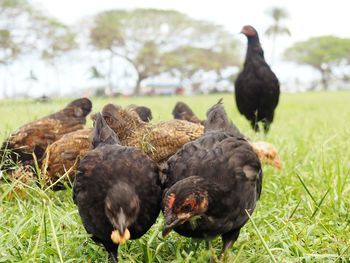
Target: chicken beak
(243, 31)
(170, 223)
(118, 238)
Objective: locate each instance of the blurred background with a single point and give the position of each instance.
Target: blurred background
(162, 47)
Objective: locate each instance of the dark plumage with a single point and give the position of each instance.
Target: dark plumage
(257, 88)
(144, 113)
(37, 135)
(217, 120)
(116, 189)
(182, 111)
(211, 182)
(266, 152)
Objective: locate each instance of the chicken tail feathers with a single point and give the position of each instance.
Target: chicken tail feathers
(102, 133)
(217, 120)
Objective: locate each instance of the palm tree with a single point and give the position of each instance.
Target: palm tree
(277, 28)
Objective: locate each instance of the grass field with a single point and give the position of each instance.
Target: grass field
(303, 214)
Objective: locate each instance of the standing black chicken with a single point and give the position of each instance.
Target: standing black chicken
(257, 88)
(212, 183)
(116, 189)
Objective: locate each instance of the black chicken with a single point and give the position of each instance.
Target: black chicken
(116, 189)
(266, 152)
(257, 88)
(212, 183)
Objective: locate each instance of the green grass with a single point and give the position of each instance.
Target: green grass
(303, 214)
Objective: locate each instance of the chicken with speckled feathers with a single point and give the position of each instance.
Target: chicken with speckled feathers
(158, 140)
(35, 136)
(62, 156)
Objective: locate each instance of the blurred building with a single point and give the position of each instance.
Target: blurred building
(165, 89)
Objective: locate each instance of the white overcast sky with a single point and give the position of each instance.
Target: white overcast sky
(307, 18)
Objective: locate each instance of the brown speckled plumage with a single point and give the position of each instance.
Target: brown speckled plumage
(158, 141)
(63, 155)
(37, 135)
(267, 153)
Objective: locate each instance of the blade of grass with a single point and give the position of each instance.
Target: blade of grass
(341, 255)
(261, 238)
(13, 185)
(34, 251)
(294, 210)
(66, 174)
(239, 254)
(320, 203)
(305, 187)
(54, 234)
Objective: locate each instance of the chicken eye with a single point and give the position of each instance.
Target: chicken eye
(186, 208)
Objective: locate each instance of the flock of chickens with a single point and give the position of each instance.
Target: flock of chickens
(204, 175)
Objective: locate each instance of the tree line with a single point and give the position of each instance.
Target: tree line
(153, 42)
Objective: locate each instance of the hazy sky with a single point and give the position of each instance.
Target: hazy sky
(307, 18)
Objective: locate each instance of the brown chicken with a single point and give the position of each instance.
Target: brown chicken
(61, 157)
(158, 141)
(144, 113)
(266, 152)
(35, 136)
(182, 111)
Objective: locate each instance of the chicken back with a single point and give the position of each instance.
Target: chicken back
(35, 136)
(159, 141)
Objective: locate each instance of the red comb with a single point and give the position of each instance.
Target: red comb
(171, 200)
